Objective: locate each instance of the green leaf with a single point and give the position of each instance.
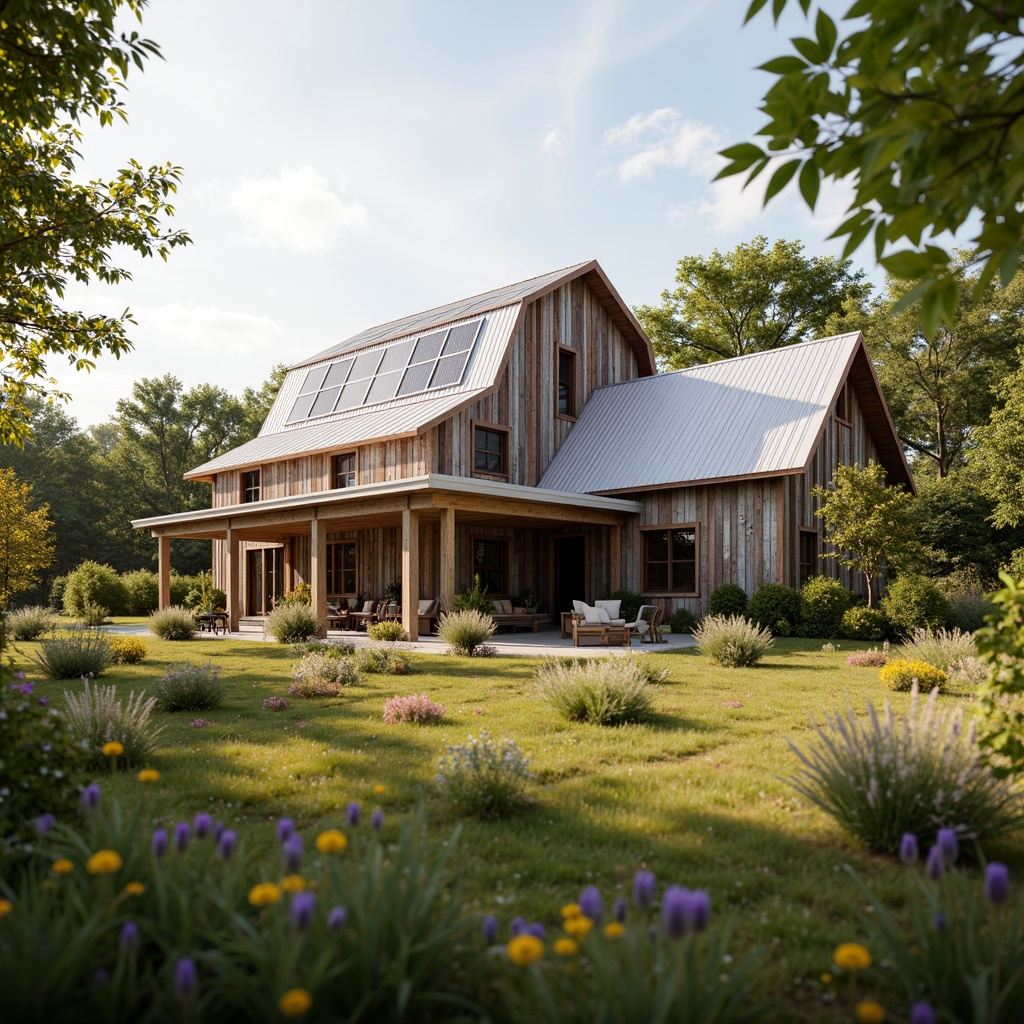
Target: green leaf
(743, 155)
(781, 178)
(809, 49)
(752, 10)
(810, 182)
(787, 65)
(907, 264)
(825, 27)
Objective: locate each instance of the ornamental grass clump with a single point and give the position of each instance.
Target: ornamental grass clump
(293, 622)
(188, 687)
(386, 659)
(74, 653)
(902, 675)
(95, 717)
(940, 648)
(732, 642)
(416, 707)
(484, 777)
(322, 675)
(605, 691)
(174, 623)
(30, 623)
(387, 631)
(465, 631)
(883, 775)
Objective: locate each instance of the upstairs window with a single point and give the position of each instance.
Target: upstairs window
(344, 470)
(490, 451)
(566, 382)
(251, 486)
(670, 560)
(843, 404)
(808, 555)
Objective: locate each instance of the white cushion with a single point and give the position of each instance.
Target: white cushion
(353, 603)
(579, 607)
(426, 606)
(519, 611)
(592, 616)
(603, 616)
(368, 606)
(611, 607)
(617, 622)
(503, 607)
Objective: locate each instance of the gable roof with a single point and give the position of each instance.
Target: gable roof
(752, 416)
(501, 312)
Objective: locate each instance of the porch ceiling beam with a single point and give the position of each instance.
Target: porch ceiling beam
(527, 510)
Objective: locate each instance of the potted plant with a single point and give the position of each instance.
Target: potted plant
(527, 599)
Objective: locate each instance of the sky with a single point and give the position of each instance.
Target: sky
(348, 163)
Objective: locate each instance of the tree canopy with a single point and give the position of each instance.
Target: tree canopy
(1000, 456)
(25, 544)
(919, 107)
(64, 61)
(751, 299)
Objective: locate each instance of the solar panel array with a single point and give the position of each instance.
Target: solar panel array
(407, 367)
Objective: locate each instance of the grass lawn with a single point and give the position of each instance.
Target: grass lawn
(695, 795)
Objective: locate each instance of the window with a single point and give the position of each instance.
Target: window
(843, 403)
(808, 555)
(566, 382)
(490, 451)
(490, 563)
(251, 486)
(344, 470)
(670, 560)
(341, 567)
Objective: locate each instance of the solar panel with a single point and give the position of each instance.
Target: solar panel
(338, 373)
(461, 338)
(417, 378)
(314, 380)
(300, 410)
(383, 387)
(352, 395)
(449, 370)
(366, 365)
(324, 402)
(396, 357)
(428, 347)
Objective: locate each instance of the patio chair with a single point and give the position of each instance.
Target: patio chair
(428, 615)
(366, 617)
(647, 618)
(337, 616)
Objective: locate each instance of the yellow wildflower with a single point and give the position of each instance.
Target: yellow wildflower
(852, 956)
(570, 910)
(565, 947)
(577, 927)
(63, 866)
(614, 930)
(331, 841)
(6, 906)
(148, 775)
(104, 862)
(264, 894)
(826, 978)
(134, 889)
(525, 950)
(293, 883)
(112, 749)
(295, 1002)
(379, 790)
(869, 1012)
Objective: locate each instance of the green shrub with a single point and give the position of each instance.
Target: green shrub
(940, 648)
(606, 691)
(333, 648)
(629, 603)
(484, 777)
(475, 600)
(682, 621)
(863, 623)
(203, 596)
(889, 774)
(387, 631)
(56, 593)
(383, 659)
(30, 623)
(188, 687)
(728, 599)
(127, 650)
(95, 615)
(465, 631)
(733, 642)
(968, 611)
(776, 607)
(181, 587)
(174, 623)
(319, 675)
(903, 675)
(293, 623)
(75, 653)
(95, 716)
(912, 602)
(823, 602)
(142, 591)
(40, 765)
(94, 584)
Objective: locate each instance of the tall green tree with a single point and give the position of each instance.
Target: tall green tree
(939, 388)
(26, 547)
(919, 107)
(751, 299)
(1000, 454)
(63, 62)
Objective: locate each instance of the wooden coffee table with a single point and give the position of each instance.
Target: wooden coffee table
(620, 636)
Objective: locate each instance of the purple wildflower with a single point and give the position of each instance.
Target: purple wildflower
(336, 918)
(285, 829)
(159, 842)
(490, 929)
(674, 908)
(591, 904)
(227, 844)
(129, 940)
(203, 824)
(44, 823)
(643, 889)
(536, 930)
(698, 910)
(181, 834)
(291, 852)
(91, 797)
(939, 921)
(377, 820)
(997, 882)
(353, 814)
(218, 831)
(44, 701)
(947, 844)
(909, 851)
(619, 910)
(935, 864)
(101, 978)
(186, 978)
(27, 687)
(303, 905)
(922, 1013)
(517, 927)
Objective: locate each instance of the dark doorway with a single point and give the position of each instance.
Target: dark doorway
(265, 573)
(570, 572)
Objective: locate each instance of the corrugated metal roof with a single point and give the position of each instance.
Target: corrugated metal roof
(754, 415)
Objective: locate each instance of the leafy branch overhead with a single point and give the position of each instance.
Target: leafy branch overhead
(918, 108)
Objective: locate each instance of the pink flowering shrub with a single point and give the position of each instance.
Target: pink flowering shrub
(874, 657)
(416, 707)
(276, 704)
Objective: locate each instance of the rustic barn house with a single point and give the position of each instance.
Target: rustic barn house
(524, 435)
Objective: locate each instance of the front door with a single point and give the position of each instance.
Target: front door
(570, 572)
(265, 575)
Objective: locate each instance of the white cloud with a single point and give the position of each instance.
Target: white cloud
(552, 143)
(297, 210)
(207, 329)
(665, 139)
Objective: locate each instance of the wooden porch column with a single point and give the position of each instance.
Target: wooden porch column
(411, 572)
(234, 580)
(447, 560)
(318, 566)
(615, 567)
(164, 570)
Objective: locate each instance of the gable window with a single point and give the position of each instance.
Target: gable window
(490, 451)
(670, 560)
(251, 486)
(566, 383)
(490, 563)
(808, 555)
(344, 470)
(341, 568)
(843, 404)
